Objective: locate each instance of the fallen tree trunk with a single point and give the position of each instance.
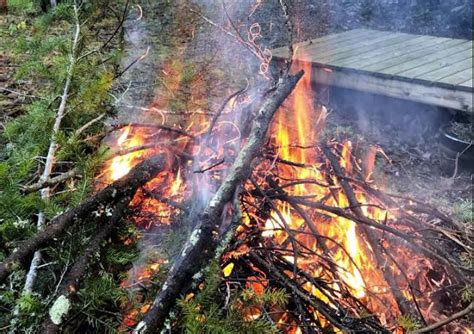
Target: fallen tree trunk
(202, 243)
(99, 204)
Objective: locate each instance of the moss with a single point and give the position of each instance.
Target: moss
(59, 309)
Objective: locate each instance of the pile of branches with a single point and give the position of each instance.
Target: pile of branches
(414, 232)
(244, 192)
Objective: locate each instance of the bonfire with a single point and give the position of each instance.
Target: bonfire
(282, 205)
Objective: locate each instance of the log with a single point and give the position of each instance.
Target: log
(202, 243)
(100, 204)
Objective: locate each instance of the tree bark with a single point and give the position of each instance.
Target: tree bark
(201, 245)
(71, 284)
(99, 204)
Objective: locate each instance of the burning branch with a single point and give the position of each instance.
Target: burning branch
(402, 302)
(201, 244)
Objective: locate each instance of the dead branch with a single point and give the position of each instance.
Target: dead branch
(402, 302)
(201, 244)
(369, 222)
(446, 321)
(89, 124)
(214, 165)
(100, 204)
(71, 284)
(289, 26)
(133, 62)
(293, 287)
(167, 201)
(155, 126)
(216, 116)
(50, 158)
(51, 181)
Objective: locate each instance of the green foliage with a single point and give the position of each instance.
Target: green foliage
(99, 298)
(409, 323)
(29, 303)
(273, 297)
(467, 293)
(463, 211)
(204, 313)
(121, 255)
(41, 47)
(467, 259)
(22, 6)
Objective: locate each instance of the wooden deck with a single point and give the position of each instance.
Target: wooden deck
(427, 69)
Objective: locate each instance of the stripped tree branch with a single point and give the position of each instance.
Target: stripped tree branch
(51, 181)
(53, 146)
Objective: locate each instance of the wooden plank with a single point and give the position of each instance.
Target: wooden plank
(304, 53)
(282, 52)
(447, 71)
(387, 54)
(353, 44)
(356, 50)
(439, 96)
(403, 53)
(467, 83)
(432, 61)
(459, 77)
(426, 69)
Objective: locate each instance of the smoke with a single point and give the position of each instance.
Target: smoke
(228, 65)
